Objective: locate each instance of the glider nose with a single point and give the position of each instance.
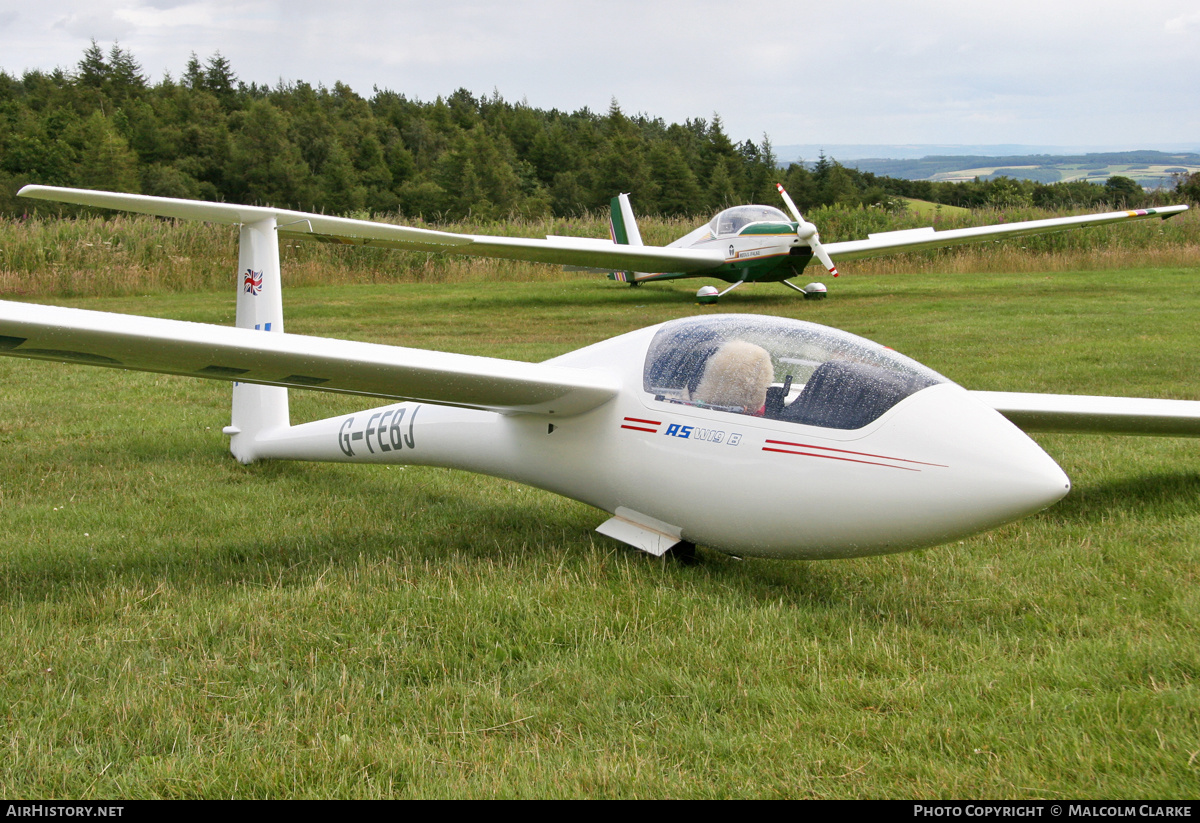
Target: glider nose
(995, 471)
(1022, 479)
(965, 469)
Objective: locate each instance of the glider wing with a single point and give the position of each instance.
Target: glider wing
(296, 361)
(572, 251)
(1099, 415)
(928, 238)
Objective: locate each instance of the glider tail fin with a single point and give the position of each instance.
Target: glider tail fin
(623, 228)
(257, 409)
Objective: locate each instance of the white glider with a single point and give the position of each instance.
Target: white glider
(826, 444)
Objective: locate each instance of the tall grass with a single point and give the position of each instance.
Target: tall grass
(121, 255)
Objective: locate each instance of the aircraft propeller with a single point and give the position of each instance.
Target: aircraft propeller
(807, 232)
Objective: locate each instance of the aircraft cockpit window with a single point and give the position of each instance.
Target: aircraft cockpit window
(732, 221)
(779, 369)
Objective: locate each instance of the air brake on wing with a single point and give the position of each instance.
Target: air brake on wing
(903, 234)
(586, 243)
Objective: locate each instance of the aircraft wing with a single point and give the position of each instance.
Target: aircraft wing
(928, 238)
(1099, 415)
(124, 341)
(569, 251)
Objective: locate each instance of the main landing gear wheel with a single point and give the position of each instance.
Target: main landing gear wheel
(813, 291)
(709, 294)
(683, 553)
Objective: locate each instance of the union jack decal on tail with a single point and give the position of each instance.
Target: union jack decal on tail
(252, 281)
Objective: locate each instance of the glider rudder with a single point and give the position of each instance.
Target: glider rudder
(257, 409)
(623, 229)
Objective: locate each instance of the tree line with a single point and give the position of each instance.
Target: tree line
(208, 135)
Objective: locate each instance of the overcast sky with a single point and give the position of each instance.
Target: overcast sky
(1034, 72)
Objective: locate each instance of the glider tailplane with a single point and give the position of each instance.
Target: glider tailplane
(623, 228)
(257, 409)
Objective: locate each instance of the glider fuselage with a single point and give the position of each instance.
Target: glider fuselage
(935, 466)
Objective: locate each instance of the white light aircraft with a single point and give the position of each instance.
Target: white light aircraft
(825, 444)
(742, 244)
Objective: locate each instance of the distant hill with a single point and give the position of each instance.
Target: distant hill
(843, 152)
(1151, 169)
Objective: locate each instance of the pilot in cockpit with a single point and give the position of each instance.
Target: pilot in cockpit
(701, 368)
(735, 377)
(829, 379)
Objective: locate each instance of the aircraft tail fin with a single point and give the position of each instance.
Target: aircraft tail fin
(257, 409)
(623, 229)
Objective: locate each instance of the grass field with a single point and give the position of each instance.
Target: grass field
(928, 210)
(178, 625)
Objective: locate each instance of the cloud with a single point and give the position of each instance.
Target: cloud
(1184, 24)
(151, 17)
(800, 71)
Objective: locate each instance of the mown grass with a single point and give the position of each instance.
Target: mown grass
(178, 625)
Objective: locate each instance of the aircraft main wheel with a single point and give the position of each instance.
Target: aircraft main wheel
(707, 295)
(684, 553)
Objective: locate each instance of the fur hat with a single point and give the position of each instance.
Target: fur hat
(737, 374)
